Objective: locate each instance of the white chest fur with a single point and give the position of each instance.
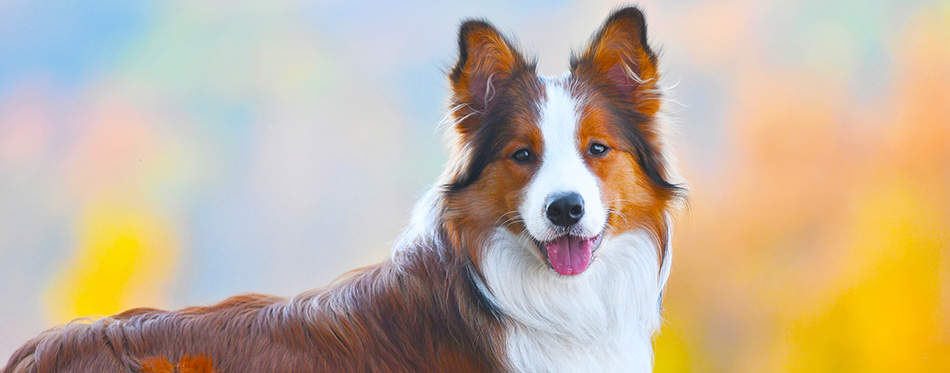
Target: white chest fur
(601, 320)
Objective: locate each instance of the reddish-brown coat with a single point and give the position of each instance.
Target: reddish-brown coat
(616, 78)
(615, 83)
(496, 94)
(419, 316)
(187, 364)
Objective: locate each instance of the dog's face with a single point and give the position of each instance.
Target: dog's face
(564, 161)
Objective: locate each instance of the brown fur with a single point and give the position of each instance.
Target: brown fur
(617, 109)
(187, 364)
(420, 316)
(496, 92)
(617, 78)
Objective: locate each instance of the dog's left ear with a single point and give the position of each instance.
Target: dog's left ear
(619, 56)
(486, 60)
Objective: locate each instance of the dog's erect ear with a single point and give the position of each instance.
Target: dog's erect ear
(486, 59)
(619, 55)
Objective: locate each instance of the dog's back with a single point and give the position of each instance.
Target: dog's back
(384, 318)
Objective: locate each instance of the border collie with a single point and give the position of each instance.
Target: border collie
(544, 246)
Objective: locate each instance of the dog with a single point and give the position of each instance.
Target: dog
(544, 246)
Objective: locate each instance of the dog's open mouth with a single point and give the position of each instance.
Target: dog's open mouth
(570, 255)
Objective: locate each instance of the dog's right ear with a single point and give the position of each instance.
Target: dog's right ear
(620, 56)
(486, 59)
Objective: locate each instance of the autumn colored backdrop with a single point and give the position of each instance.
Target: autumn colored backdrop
(167, 154)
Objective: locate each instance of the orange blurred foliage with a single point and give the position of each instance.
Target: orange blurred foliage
(826, 247)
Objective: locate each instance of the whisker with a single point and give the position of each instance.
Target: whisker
(622, 215)
(504, 215)
(510, 222)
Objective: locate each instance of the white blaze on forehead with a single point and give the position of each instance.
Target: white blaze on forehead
(562, 166)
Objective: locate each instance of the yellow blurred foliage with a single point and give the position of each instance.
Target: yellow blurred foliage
(123, 261)
(674, 351)
(886, 315)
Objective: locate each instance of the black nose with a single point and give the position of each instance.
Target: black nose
(565, 209)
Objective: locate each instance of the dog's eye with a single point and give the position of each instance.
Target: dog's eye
(598, 150)
(522, 155)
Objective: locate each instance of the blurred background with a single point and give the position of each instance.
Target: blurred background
(174, 153)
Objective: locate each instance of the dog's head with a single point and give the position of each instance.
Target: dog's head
(561, 162)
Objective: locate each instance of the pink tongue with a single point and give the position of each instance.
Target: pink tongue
(569, 255)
